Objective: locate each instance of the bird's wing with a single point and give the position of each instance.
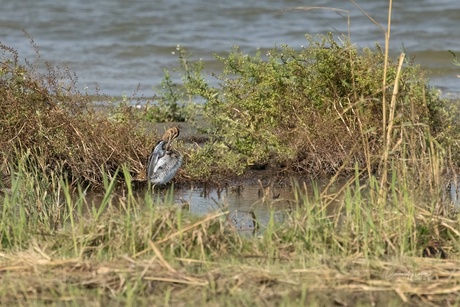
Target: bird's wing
(156, 154)
(161, 164)
(166, 167)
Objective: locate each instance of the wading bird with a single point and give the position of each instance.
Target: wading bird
(164, 162)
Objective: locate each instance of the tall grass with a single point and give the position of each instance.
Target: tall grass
(140, 249)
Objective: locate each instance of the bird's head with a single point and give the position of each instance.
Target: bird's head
(169, 136)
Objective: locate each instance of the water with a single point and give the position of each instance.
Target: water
(122, 44)
(250, 206)
(246, 203)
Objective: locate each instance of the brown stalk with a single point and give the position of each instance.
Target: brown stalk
(388, 139)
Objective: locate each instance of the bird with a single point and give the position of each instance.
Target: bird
(164, 162)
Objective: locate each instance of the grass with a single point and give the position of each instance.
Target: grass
(386, 236)
(147, 250)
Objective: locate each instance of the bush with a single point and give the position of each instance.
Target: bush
(317, 109)
(44, 117)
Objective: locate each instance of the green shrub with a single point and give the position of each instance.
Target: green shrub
(317, 109)
(175, 102)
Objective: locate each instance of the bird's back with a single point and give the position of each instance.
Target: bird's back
(166, 167)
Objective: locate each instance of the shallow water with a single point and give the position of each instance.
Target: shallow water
(250, 205)
(122, 44)
(241, 202)
(245, 203)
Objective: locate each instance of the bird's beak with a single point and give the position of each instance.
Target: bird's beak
(169, 136)
(168, 144)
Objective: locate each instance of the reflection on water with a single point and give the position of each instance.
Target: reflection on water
(251, 206)
(245, 203)
(454, 194)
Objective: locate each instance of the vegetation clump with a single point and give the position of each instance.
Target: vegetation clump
(45, 118)
(314, 111)
(317, 110)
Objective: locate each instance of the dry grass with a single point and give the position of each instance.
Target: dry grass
(45, 118)
(35, 277)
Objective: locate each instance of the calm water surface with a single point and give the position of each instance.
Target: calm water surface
(245, 203)
(122, 44)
